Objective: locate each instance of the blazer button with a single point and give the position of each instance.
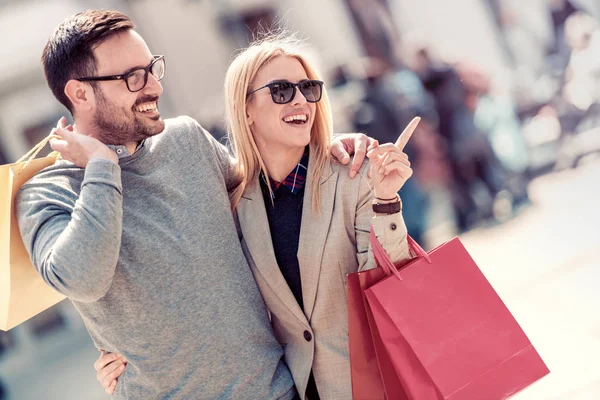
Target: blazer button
(307, 336)
(393, 226)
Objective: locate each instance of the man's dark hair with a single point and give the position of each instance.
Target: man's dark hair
(68, 54)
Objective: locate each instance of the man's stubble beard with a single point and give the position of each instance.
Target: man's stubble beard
(116, 126)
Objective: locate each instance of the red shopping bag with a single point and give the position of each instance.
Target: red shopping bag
(373, 376)
(372, 372)
(446, 331)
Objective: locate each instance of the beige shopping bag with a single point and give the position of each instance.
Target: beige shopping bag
(23, 293)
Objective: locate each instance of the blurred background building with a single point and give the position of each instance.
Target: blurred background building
(508, 90)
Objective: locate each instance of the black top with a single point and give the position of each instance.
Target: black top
(285, 217)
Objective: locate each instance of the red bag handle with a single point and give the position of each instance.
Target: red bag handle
(383, 259)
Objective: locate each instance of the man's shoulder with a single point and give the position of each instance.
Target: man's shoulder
(181, 121)
(188, 139)
(185, 126)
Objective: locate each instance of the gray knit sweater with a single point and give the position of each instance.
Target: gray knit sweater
(148, 253)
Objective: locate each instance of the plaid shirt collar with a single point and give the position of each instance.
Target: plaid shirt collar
(295, 180)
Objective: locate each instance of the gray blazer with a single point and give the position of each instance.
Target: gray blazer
(332, 244)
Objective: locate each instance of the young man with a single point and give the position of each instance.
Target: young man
(135, 227)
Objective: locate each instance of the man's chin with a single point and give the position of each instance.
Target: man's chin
(160, 125)
(154, 127)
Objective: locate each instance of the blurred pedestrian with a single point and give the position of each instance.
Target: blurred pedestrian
(477, 173)
(388, 104)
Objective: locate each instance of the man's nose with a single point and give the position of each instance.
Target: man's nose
(153, 86)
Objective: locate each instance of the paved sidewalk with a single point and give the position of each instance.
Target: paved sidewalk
(545, 264)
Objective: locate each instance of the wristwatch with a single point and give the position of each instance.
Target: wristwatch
(387, 208)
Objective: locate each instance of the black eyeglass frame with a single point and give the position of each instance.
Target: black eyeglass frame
(126, 75)
(294, 86)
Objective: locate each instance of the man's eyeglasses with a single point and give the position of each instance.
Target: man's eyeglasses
(137, 79)
(282, 92)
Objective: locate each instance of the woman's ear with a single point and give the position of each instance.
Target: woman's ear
(80, 94)
(249, 118)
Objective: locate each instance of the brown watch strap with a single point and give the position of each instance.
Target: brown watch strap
(387, 208)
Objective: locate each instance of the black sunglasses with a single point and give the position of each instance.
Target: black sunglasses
(283, 91)
(136, 79)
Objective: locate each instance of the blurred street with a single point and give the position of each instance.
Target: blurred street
(544, 263)
(67, 372)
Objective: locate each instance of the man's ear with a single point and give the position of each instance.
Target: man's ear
(80, 94)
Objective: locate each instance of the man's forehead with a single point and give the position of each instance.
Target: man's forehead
(121, 52)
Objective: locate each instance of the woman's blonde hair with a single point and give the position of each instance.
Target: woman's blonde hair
(238, 81)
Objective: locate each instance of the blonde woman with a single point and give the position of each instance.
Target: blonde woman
(304, 222)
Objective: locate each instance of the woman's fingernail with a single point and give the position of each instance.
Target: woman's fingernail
(352, 174)
(122, 367)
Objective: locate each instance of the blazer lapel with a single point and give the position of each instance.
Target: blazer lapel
(313, 233)
(257, 235)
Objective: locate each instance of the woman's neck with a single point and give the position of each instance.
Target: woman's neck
(280, 162)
